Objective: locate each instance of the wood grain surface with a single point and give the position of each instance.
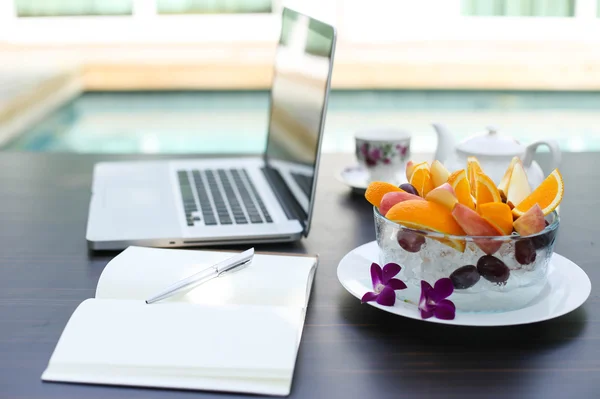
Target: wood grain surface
(348, 350)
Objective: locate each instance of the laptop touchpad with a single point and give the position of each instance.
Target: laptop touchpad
(134, 197)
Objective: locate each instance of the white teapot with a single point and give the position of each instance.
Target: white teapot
(494, 152)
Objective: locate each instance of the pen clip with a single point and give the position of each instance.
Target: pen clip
(233, 263)
(242, 259)
(234, 267)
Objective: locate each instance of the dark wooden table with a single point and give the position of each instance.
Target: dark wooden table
(348, 350)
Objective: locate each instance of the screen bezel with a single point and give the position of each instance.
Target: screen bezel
(306, 221)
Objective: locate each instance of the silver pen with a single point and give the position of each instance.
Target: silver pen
(205, 275)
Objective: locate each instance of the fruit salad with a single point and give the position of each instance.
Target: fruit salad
(485, 237)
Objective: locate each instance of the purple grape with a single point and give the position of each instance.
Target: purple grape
(409, 241)
(525, 251)
(543, 240)
(409, 188)
(493, 269)
(464, 277)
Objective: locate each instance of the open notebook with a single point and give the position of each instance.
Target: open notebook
(237, 333)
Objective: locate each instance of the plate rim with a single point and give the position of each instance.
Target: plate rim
(340, 177)
(581, 295)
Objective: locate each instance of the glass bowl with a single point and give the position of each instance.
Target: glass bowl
(510, 274)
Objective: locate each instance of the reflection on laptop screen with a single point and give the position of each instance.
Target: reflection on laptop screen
(298, 95)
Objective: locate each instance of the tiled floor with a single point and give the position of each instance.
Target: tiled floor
(198, 122)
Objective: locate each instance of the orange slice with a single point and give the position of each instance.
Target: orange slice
(547, 195)
(473, 169)
(499, 215)
(411, 166)
(426, 215)
(377, 189)
(421, 179)
(459, 182)
(485, 190)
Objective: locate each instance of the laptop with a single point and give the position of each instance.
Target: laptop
(234, 200)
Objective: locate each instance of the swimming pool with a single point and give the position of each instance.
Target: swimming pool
(233, 122)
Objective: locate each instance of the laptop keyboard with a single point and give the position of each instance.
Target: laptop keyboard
(304, 182)
(224, 196)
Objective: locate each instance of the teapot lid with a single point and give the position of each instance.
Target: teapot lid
(491, 143)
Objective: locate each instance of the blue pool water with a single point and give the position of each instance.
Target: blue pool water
(230, 122)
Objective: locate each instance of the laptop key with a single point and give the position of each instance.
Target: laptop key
(257, 196)
(228, 206)
(230, 193)
(246, 197)
(221, 208)
(205, 205)
(187, 197)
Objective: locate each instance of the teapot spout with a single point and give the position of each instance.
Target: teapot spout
(445, 144)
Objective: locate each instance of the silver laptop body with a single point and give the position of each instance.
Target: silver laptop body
(236, 200)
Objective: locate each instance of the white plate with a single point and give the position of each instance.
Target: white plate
(357, 177)
(568, 287)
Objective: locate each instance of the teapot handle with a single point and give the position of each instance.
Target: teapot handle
(554, 152)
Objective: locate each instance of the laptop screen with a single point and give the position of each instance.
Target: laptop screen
(299, 93)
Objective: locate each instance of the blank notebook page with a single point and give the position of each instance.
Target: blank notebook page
(273, 280)
(194, 340)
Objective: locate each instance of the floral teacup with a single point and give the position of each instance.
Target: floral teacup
(383, 153)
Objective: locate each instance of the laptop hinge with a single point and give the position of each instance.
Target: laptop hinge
(288, 202)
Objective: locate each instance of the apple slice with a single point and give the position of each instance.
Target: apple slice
(392, 198)
(475, 225)
(503, 186)
(439, 173)
(443, 195)
(471, 222)
(518, 186)
(530, 222)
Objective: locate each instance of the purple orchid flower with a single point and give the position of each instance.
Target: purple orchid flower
(433, 300)
(384, 284)
(386, 161)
